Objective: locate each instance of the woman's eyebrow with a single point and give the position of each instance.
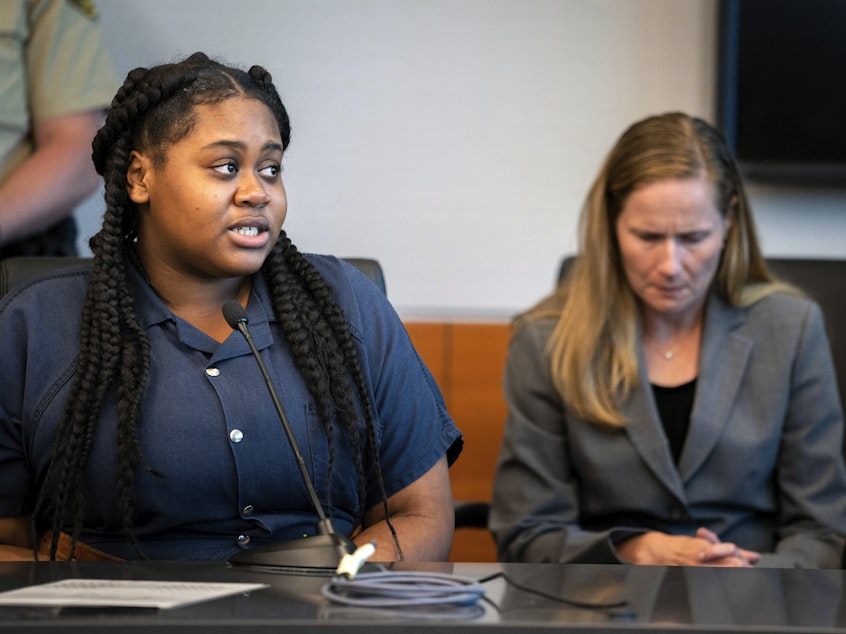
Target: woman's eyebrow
(240, 145)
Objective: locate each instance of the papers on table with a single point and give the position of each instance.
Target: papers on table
(114, 593)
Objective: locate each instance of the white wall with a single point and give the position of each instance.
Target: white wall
(454, 140)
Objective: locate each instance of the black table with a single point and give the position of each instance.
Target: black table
(665, 599)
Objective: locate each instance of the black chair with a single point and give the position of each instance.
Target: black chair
(15, 270)
(372, 269)
(471, 514)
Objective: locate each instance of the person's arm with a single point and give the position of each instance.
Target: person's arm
(416, 440)
(422, 515)
(536, 506)
(56, 177)
(15, 539)
(810, 478)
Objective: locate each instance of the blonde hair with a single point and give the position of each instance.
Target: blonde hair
(594, 345)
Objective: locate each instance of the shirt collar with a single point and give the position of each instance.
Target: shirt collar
(151, 311)
(149, 307)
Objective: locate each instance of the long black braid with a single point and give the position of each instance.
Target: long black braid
(153, 109)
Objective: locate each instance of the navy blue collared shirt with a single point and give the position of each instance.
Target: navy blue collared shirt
(218, 473)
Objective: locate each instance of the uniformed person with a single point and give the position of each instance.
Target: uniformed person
(56, 79)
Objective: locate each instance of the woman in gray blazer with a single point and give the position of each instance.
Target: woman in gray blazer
(671, 403)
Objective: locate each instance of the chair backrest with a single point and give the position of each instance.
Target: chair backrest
(15, 270)
(824, 281)
(372, 269)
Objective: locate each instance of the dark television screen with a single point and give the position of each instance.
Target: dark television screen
(782, 88)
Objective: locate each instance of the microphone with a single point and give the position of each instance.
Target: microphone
(327, 548)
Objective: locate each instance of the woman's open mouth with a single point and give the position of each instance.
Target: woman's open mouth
(252, 233)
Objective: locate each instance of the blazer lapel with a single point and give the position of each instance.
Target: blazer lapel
(723, 358)
(647, 434)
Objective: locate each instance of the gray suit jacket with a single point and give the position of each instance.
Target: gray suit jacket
(761, 466)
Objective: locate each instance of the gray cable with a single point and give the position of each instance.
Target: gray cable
(403, 588)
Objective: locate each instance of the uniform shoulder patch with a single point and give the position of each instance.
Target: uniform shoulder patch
(86, 7)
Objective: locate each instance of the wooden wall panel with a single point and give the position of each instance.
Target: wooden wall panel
(467, 360)
(477, 358)
(429, 340)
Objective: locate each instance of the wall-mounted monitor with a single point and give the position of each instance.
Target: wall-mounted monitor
(781, 88)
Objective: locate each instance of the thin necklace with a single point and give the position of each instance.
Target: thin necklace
(680, 343)
(669, 354)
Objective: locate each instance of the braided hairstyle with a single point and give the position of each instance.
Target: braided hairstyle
(153, 109)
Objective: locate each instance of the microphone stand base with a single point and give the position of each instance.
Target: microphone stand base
(315, 554)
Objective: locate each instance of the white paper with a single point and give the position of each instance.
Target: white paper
(111, 593)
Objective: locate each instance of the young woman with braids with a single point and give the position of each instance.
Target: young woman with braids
(671, 403)
(135, 421)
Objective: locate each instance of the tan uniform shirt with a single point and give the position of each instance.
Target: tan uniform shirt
(52, 63)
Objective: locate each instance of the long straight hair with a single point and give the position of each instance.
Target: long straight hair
(593, 348)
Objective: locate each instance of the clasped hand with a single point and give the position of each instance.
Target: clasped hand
(703, 549)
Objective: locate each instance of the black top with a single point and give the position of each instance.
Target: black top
(674, 407)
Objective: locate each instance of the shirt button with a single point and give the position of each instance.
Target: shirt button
(213, 371)
(243, 540)
(247, 509)
(236, 435)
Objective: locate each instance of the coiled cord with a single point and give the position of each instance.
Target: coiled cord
(391, 589)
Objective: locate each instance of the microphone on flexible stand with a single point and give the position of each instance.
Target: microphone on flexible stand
(323, 550)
